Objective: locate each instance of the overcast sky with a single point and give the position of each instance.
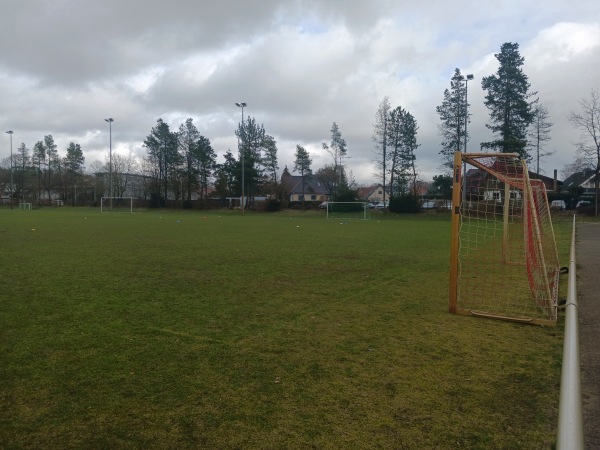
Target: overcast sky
(300, 65)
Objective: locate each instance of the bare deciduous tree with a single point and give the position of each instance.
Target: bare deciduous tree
(587, 121)
(380, 138)
(539, 133)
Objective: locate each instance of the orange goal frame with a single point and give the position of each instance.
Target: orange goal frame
(504, 261)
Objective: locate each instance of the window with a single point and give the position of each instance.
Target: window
(313, 197)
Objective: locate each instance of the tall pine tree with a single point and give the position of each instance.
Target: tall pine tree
(302, 165)
(452, 113)
(402, 141)
(161, 147)
(407, 166)
(507, 99)
(251, 137)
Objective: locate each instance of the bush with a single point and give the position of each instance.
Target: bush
(156, 201)
(405, 204)
(272, 205)
(345, 195)
(588, 210)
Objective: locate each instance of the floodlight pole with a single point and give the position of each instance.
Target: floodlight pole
(110, 120)
(10, 132)
(468, 78)
(242, 105)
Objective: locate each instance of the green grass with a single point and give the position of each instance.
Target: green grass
(212, 330)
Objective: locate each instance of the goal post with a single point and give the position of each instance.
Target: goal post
(348, 210)
(116, 204)
(25, 206)
(504, 260)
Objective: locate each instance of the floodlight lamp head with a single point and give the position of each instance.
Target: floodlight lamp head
(109, 120)
(241, 104)
(9, 132)
(470, 76)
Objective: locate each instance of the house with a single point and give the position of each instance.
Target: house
(312, 190)
(551, 184)
(584, 179)
(423, 188)
(477, 179)
(374, 193)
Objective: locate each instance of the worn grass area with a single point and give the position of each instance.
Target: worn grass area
(196, 330)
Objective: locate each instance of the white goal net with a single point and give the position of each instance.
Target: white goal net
(504, 258)
(348, 210)
(116, 204)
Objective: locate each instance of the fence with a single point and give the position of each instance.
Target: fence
(570, 416)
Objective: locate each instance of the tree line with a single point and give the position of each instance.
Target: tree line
(178, 167)
(181, 166)
(40, 171)
(518, 120)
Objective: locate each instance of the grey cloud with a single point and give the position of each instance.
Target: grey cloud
(299, 64)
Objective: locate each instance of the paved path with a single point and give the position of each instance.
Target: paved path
(588, 297)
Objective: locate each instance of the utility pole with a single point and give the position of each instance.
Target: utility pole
(10, 132)
(242, 105)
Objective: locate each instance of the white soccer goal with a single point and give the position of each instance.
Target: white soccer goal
(504, 259)
(348, 210)
(25, 206)
(116, 204)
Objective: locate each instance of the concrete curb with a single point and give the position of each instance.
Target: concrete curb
(588, 284)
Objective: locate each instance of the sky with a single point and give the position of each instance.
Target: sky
(300, 65)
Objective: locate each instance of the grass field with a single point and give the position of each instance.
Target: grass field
(211, 330)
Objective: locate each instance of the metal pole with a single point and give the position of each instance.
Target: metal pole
(570, 412)
(10, 132)
(243, 105)
(467, 79)
(243, 166)
(464, 190)
(110, 120)
(110, 155)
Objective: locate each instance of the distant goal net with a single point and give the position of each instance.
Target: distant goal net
(504, 260)
(348, 210)
(116, 204)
